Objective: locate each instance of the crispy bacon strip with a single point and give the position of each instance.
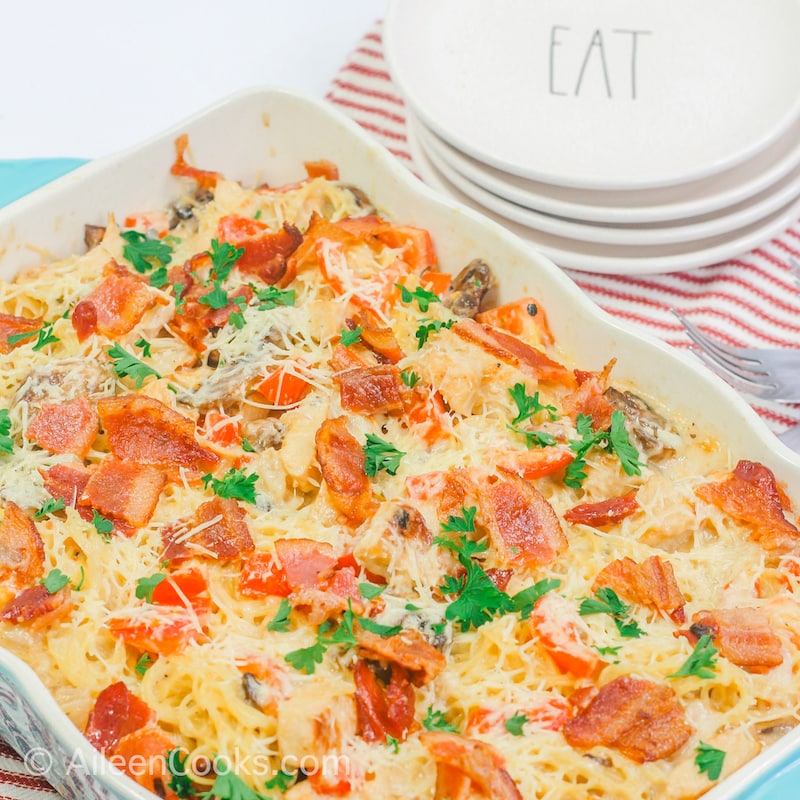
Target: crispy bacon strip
(11, 326)
(371, 390)
(523, 526)
(341, 461)
(379, 339)
(21, 548)
(751, 495)
(589, 398)
(223, 533)
(467, 765)
(514, 351)
(145, 430)
(65, 427)
(651, 583)
(743, 635)
(305, 562)
(383, 709)
(604, 512)
(265, 252)
(204, 178)
(65, 482)
(117, 712)
(407, 649)
(114, 307)
(641, 719)
(125, 490)
(37, 606)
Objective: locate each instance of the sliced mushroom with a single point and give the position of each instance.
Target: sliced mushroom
(93, 235)
(469, 288)
(258, 693)
(62, 380)
(648, 427)
(362, 200)
(181, 212)
(770, 732)
(265, 433)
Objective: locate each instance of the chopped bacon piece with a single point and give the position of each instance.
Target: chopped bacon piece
(514, 351)
(145, 430)
(164, 631)
(641, 719)
(751, 495)
(343, 584)
(143, 758)
(305, 562)
(589, 398)
(467, 765)
(523, 526)
(36, 604)
(415, 243)
(221, 532)
(261, 576)
(21, 549)
(379, 339)
(458, 490)
(555, 621)
(651, 583)
(341, 459)
(604, 512)
(535, 463)
(344, 358)
(545, 711)
(265, 252)
(65, 427)
(66, 482)
(13, 326)
(117, 712)
(743, 635)
(407, 649)
(125, 490)
(371, 390)
(499, 577)
(114, 307)
(203, 178)
(524, 318)
(383, 709)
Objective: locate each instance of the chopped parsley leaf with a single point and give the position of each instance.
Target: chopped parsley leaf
(709, 760)
(50, 507)
(143, 253)
(55, 580)
(436, 721)
(6, 442)
(281, 781)
(525, 600)
(229, 786)
(126, 365)
(607, 601)
(348, 337)
(527, 406)
(409, 378)
(146, 586)
(142, 665)
(369, 591)
(271, 297)
(392, 743)
(534, 438)
(514, 724)
(702, 662)
(102, 525)
(144, 346)
(235, 484)
(463, 524)
(423, 297)
(427, 328)
(280, 622)
(380, 455)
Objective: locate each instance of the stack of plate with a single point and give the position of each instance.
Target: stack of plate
(616, 137)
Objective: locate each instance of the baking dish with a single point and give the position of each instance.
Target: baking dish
(267, 133)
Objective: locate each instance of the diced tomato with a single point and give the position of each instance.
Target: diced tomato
(427, 411)
(550, 713)
(167, 632)
(13, 326)
(524, 318)
(283, 388)
(262, 577)
(190, 584)
(143, 758)
(222, 429)
(117, 712)
(322, 169)
(203, 178)
(534, 463)
(436, 282)
(555, 622)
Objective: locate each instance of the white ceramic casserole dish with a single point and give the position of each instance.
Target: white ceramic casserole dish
(267, 132)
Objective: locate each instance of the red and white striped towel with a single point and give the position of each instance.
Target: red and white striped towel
(752, 300)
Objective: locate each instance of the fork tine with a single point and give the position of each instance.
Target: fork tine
(742, 384)
(725, 353)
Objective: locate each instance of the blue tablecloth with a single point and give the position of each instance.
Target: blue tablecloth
(21, 176)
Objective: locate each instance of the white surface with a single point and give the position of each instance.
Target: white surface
(229, 136)
(615, 259)
(89, 77)
(600, 95)
(757, 175)
(726, 223)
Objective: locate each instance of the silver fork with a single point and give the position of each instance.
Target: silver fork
(767, 373)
